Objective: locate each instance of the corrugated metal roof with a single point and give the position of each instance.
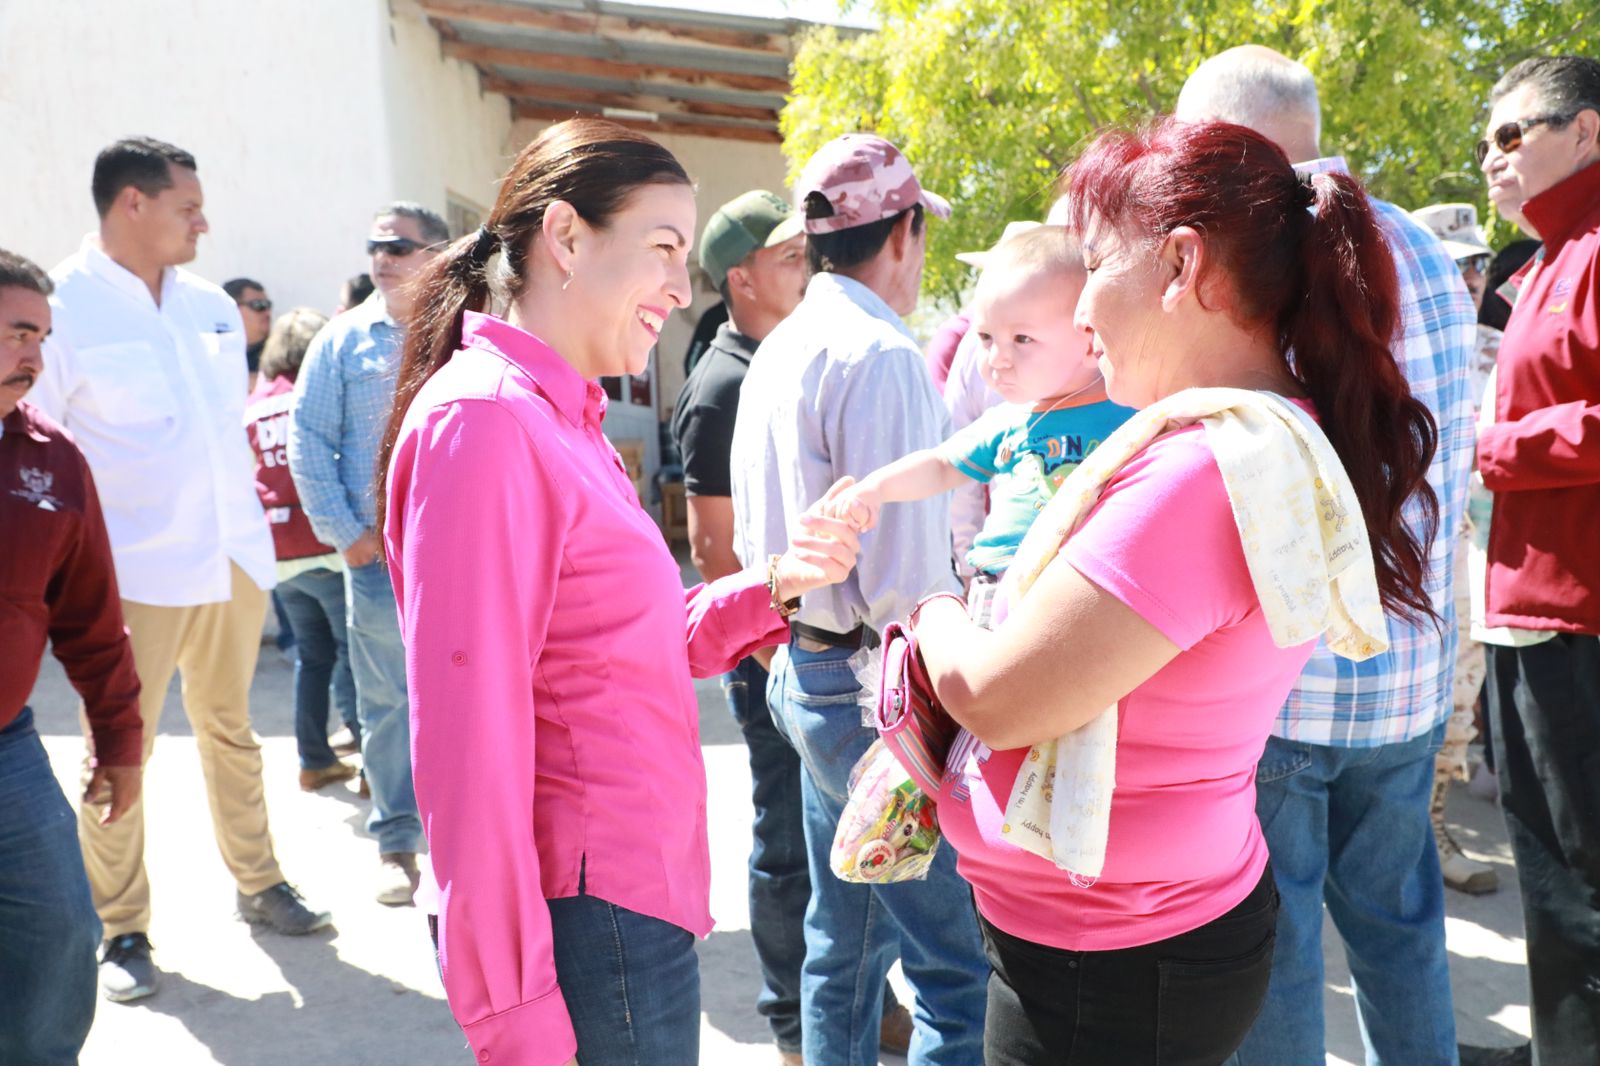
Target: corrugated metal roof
(673, 70)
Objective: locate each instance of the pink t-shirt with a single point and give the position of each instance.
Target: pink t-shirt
(1184, 845)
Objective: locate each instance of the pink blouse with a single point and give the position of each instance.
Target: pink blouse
(549, 650)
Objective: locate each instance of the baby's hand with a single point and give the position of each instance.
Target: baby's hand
(857, 505)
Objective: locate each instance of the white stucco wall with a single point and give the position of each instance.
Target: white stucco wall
(304, 116)
(444, 135)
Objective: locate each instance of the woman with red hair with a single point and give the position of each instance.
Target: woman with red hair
(1212, 266)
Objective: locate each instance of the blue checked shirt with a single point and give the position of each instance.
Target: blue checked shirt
(341, 405)
(1406, 691)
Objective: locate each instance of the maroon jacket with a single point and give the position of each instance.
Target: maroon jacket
(266, 422)
(58, 583)
(1541, 458)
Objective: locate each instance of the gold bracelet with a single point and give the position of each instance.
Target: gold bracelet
(784, 608)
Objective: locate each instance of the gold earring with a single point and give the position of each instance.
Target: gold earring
(567, 282)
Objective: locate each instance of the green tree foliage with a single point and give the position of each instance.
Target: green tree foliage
(991, 98)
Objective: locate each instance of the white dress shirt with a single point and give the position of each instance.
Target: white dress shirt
(840, 387)
(154, 396)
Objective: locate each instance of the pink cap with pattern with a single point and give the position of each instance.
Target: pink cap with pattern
(866, 179)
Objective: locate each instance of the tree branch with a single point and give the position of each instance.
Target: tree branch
(1149, 94)
(1505, 62)
(1088, 108)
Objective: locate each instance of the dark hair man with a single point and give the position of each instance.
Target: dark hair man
(61, 588)
(255, 307)
(342, 401)
(753, 250)
(1541, 459)
(354, 292)
(146, 370)
(840, 388)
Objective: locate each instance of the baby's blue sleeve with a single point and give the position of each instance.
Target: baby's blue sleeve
(975, 450)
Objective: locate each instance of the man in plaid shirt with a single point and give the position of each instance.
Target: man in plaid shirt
(1343, 787)
(341, 405)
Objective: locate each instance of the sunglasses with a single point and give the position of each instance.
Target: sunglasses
(398, 247)
(1509, 136)
(258, 304)
(1480, 263)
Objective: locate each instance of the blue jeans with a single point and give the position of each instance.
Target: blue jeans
(378, 662)
(285, 638)
(314, 602)
(780, 880)
(1349, 827)
(854, 931)
(631, 984)
(49, 931)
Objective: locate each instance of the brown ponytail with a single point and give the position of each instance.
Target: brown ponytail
(590, 163)
(1324, 278)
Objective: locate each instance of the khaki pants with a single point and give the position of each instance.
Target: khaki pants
(214, 648)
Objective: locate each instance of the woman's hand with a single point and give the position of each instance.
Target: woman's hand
(823, 552)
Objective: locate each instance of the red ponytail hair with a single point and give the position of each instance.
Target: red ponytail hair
(1309, 261)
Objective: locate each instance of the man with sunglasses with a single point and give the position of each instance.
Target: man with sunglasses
(342, 400)
(1541, 459)
(256, 310)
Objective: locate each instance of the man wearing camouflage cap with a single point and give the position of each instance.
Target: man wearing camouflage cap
(754, 252)
(839, 388)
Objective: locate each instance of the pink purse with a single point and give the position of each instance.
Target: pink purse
(910, 720)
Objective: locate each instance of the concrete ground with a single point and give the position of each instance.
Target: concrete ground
(365, 993)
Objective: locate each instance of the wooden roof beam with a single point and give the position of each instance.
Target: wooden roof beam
(664, 105)
(610, 68)
(616, 26)
(554, 113)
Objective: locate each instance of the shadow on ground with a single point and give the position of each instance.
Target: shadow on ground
(319, 1020)
(729, 980)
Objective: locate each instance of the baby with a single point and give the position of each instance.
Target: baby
(1055, 414)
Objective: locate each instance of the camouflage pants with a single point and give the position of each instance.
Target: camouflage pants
(1471, 666)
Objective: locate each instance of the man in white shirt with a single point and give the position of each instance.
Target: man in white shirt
(146, 368)
(840, 388)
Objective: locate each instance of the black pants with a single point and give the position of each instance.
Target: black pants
(1544, 703)
(1188, 1000)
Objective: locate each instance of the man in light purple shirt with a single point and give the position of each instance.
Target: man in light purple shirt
(840, 388)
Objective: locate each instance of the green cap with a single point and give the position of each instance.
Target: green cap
(757, 219)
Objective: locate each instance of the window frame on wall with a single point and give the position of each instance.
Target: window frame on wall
(461, 214)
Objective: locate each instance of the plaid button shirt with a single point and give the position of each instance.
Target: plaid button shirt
(341, 405)
(1406, 691)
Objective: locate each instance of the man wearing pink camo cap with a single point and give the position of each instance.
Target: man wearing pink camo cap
(866, 179)
(839, 388)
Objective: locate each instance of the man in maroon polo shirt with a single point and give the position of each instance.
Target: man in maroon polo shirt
(57, 584)
(1541, 459)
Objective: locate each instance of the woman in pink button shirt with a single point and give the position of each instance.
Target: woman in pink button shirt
(549, 641)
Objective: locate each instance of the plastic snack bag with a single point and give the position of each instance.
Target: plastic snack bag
(889, 831)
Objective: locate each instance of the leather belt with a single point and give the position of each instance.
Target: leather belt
(812, 638)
